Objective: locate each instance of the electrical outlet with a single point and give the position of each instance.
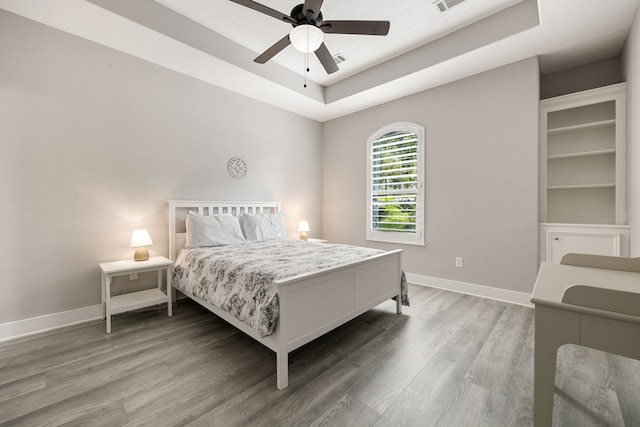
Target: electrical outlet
(133, 276)
(459, 262)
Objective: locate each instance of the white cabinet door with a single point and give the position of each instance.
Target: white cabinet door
(560, 243)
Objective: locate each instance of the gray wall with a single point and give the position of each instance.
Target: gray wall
(92, 144)
(631, 72)
(588, 76)
(481, 177)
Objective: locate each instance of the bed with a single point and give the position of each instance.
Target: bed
(310, 304)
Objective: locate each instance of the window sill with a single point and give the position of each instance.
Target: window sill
(397, 240)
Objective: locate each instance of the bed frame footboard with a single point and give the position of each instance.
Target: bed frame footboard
(314, 304)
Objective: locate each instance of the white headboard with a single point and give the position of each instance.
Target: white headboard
(178, 212)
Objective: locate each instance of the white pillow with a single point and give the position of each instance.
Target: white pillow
(260, 227)
(216, 230)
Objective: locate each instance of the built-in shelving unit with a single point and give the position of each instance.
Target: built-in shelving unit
(582, 157)
(582, 161)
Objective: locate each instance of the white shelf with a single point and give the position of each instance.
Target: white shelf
(135, 300)
(581, 127)
(582, 154)
(579, 186)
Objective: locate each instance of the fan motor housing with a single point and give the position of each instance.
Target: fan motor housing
(300, 18)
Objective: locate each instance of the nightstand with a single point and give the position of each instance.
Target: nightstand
(310, 239)
(134, 300)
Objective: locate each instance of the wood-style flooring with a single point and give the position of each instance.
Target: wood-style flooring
(449, 360)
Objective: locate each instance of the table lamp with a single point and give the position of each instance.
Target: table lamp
(140, 239)
(303, 228)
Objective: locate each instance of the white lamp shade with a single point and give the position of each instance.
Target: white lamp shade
(140, 238)
(304, 226)
(306, 38)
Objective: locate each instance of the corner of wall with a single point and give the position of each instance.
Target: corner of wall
(630, 59)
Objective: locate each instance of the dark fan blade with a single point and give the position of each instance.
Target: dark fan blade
(311, 8)
(326, 59)
(266, 10)
(273, 50)
(372, 28)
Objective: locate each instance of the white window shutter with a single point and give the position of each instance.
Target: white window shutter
(395, 192)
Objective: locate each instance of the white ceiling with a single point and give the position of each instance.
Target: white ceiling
(413, 23)
(216, 41)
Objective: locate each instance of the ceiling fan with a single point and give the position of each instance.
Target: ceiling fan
(309, 29)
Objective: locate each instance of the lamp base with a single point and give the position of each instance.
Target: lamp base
(142, 254)
(303, 235)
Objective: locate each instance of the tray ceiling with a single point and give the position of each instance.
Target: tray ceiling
(217, 40)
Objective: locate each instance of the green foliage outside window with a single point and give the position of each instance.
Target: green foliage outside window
(394, 178)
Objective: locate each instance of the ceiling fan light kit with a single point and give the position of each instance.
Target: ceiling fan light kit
(306, 38)
(309, 29)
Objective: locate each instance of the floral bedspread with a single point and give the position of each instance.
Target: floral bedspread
(239, 278)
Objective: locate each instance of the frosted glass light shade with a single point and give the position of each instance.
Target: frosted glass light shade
(140, 239)
(303, 228)
(306, 38)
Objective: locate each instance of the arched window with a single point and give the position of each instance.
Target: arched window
(395, 190)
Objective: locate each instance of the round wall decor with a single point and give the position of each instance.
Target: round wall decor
(236, 167)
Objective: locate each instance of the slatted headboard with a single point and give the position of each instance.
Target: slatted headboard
(178, 212)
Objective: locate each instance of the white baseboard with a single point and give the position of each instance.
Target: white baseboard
(505, 295)
(34, 325)
(47, 322)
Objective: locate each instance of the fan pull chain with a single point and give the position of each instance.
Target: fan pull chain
(306, 67)
(306, 59)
